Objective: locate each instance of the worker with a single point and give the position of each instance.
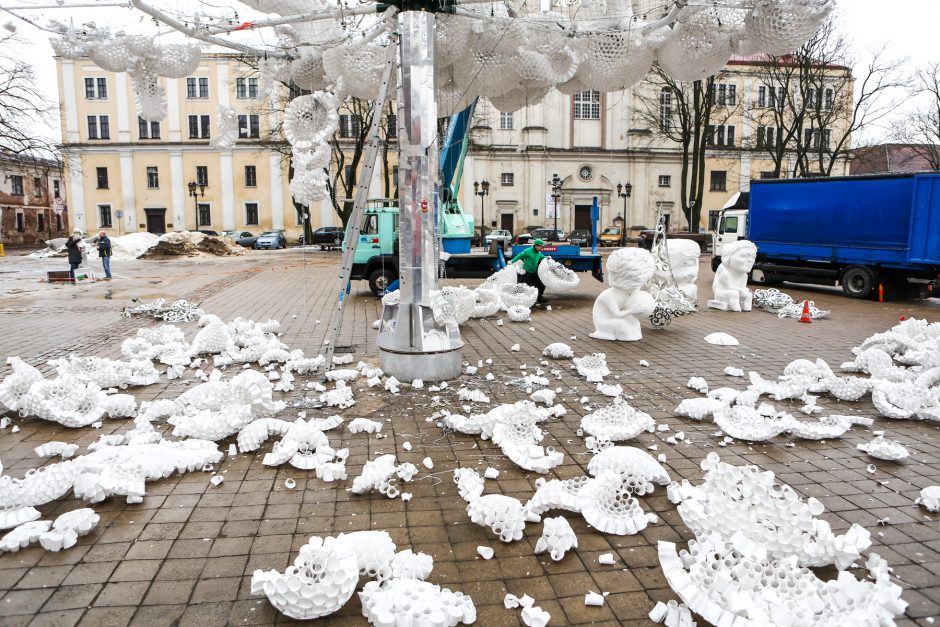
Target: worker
(531, 258)
(74, 246)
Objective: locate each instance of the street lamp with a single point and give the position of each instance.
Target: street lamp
(481, 190)
(197, 190)
(624, 191)
(556, 195)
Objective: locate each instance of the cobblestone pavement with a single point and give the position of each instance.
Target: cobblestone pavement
(186, 554)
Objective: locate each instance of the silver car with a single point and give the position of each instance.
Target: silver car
(502, 236)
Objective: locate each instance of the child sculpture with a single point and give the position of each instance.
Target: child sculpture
(617, 308)
(683, 259)
(730, 285)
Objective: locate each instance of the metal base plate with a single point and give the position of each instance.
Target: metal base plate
(406, 367)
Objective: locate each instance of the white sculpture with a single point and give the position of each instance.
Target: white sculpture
(729, 288)
(683, 255)
(617, 308)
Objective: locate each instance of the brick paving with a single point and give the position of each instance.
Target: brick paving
(186, 554)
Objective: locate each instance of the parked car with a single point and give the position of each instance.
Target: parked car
(327, 237)
(580, 237)
(543, 233)
(611, 236)
(502, 236)
(208, 232)
(271, 239)
(242, 238)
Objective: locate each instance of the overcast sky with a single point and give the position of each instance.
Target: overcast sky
(908, 27)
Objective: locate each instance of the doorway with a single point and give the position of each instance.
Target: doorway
(506, 221)
(156, 220)
(582, 218)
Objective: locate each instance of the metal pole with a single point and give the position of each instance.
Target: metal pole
(482, 222)
(412, 344)
(623, 233)
(555, 234)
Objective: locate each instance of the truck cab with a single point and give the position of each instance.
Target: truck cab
(732, 225)
(376, 257)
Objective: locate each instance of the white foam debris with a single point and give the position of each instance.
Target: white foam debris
(606, 559)
(475, 396)
(557, 538)
(755, 519)
(558, 350)
(491, 473)
(515, 348)
(881, 448)
(428, 463)
(406, 445)
(644, 363)
(731, 371)
(929, 498)
(613, 390)
(51, 449)
(593, 599)
(721, 339)
(698, 384)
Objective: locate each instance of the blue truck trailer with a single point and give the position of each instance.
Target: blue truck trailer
(868, 234)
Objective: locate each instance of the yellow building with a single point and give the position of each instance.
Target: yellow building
(126, 175)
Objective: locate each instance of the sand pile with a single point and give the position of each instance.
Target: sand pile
(149, 245)
(192, 244)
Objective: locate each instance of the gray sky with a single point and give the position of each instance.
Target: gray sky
(909, 29)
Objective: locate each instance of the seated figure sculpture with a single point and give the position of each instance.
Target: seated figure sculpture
(730, 284)
(617, 308)
(683, 255)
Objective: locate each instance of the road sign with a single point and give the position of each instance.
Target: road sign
(58, 205)
(119, 213)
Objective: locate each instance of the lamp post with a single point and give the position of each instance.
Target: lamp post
(624, 190)
(556, 195)
(482, 189)
(197, 191)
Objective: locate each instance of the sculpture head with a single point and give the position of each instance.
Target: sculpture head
(739, 256)
(684, 259)
(629, 268)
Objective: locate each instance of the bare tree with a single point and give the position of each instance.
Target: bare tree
(347, 147)
(687, 114)
(810, 108)
(23, 110)
(919, 129)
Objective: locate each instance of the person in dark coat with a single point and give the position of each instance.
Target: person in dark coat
(104, 251)
(73, 245)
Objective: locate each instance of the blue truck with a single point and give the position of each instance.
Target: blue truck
(869, 234)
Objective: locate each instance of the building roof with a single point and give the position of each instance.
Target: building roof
(764, 59)
(27, 160)
(900, 158)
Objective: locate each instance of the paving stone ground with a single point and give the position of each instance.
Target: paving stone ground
(185, 555)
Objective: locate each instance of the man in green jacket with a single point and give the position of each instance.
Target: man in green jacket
(531, 258)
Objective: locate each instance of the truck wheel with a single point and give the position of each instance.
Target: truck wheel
(380, 279)
(337, 242)
(716, 261)
(857, 282)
